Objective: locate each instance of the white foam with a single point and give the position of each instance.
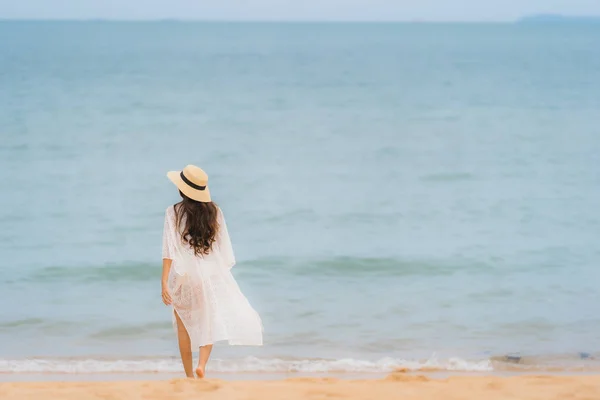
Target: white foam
(246, 365)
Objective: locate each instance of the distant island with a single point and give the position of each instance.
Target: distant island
(545, 18)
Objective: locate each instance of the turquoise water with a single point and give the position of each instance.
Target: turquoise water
(397, 194)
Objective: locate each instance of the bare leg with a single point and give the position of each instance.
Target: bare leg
(204, 356)
(185, 347)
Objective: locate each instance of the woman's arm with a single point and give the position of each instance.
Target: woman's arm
(165, 281)
(167, 257)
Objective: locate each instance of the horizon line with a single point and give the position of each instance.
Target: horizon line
(325, 21)
(529, 18)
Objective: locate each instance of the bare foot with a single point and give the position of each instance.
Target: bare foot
(200, 372)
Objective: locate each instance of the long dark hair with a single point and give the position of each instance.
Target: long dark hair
(200, 223)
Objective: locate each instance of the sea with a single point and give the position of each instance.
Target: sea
(399, 195)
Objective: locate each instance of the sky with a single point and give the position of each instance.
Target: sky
(269, 10)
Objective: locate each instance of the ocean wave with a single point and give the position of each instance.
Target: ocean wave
(582, 362)
(246, 365)
(25, 322)
(133, 331)
(103, 273)
(345, 265)
(334, 266)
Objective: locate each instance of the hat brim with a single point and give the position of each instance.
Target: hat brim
(202, 196)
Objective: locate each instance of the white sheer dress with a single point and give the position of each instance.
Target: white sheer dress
(205, 295)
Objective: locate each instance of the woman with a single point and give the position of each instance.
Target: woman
(208, 305)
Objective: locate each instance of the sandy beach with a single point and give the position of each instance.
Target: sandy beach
(397, 385)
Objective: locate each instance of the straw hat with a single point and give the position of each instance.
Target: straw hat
(193, 182)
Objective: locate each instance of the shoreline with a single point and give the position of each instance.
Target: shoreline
(396, 385)
(163, 376)
(431, 373)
